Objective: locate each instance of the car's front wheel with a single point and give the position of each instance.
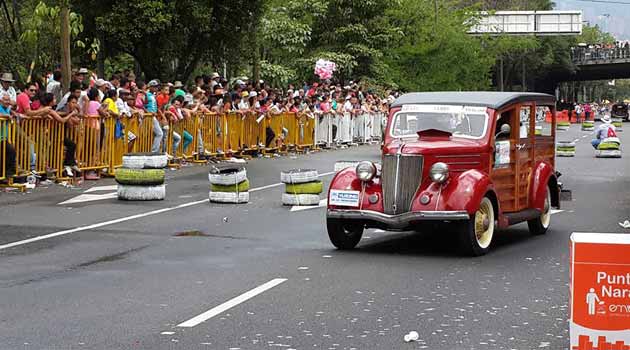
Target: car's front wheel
(476, 233)
(539, 225)
(344, 235)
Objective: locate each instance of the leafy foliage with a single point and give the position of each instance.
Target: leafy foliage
(170, 38)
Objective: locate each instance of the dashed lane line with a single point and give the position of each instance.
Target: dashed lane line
(231, 303)
(127, 218)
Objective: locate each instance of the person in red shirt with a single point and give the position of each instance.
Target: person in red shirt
(163, 97)
(24, 101)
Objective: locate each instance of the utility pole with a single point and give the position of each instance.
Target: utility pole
(65, 44)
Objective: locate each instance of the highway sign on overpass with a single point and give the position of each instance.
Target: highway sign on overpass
(528, 23)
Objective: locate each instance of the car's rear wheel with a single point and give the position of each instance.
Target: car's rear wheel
(344, 235)
(539, 225)
(476, 234)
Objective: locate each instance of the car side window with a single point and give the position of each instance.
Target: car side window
(504, 118)
(544, 121)
(524, 120)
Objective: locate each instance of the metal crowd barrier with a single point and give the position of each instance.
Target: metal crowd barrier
(102, 142)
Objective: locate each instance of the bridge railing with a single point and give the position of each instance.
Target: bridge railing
(585, 55)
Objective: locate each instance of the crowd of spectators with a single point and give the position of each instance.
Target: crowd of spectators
(123, 95)
(585, 52)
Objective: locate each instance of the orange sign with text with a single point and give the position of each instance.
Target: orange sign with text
(600, 291)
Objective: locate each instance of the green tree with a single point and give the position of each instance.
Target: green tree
(169, 39)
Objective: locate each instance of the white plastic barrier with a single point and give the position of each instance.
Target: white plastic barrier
(324, 129)
(345, 128)
(378, 125)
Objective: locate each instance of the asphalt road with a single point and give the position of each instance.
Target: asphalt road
(128, 281)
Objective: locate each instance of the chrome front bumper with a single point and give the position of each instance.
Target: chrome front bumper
(399, 221)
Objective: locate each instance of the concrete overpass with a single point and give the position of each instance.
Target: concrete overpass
(600, 64)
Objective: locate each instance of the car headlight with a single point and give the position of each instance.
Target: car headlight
(439, 172)
(366, 171)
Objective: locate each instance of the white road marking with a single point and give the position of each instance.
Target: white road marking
(127, 218)
(556, 211)
(102, 188)
(231, 303)
(322, 203)
(89, 198)
(100, 224)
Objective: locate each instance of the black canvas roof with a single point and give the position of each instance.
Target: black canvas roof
(490, 99)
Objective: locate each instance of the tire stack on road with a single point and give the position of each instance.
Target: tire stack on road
(588, 125)
(228, 184)
(565, 149)
(141, 177)
(563, 125)
(302, 187)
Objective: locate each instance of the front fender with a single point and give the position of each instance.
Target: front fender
(347, 180)
(463, 192)
(543, 176)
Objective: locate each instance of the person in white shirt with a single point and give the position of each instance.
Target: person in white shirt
(6, 82)
(125, 112)
(54, 86)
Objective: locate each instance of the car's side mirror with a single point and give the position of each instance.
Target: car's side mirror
(505, 130)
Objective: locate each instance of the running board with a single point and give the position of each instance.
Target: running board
(524, 215)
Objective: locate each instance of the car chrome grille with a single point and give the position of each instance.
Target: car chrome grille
(401, 176)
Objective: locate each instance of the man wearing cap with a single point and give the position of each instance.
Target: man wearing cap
(603, 131)
(6, 80)
(103, 87)
(81, 75)
(215, 78)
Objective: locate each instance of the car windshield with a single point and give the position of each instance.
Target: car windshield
(461, 121)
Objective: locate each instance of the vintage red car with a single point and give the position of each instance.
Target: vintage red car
(477, 161)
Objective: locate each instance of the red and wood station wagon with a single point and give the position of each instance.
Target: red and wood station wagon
(477, 161)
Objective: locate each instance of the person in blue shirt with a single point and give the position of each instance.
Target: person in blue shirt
(602, 131)
(8, 164)
(150, 105)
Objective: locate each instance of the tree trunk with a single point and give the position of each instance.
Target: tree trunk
(65, 46)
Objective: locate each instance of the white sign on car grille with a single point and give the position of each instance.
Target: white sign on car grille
(344, 198)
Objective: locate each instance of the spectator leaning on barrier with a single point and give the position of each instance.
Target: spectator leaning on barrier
(6, 82)
(150, 105)
(71, 120)
(8, 163)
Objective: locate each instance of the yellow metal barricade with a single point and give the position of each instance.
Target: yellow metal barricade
(87, 136)
(234, 130)
(5, 146)
(188, 148)
(114, 144)
(142, 127)
(289, 123)
(210, 129)
(39, 144)
(252, 132)
(275, 123)
(305, 131)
